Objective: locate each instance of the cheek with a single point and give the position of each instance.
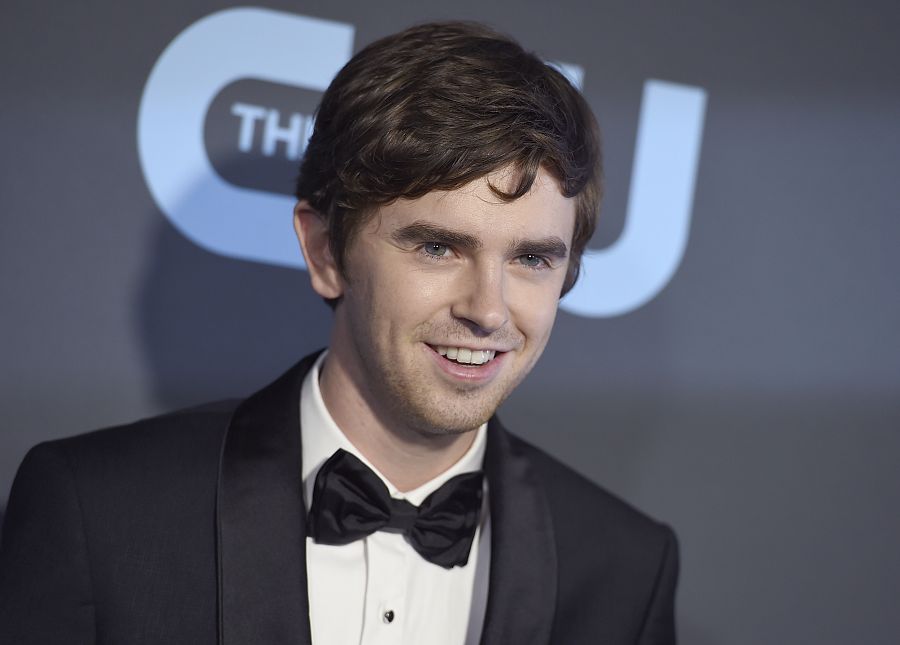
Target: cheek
(540, 324)
(403, 298)
(429, 289)
(535, 324)
(534, 308)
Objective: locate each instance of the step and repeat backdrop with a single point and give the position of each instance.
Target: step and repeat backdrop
(730, 361)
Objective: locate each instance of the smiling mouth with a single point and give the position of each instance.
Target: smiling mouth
(466, 356)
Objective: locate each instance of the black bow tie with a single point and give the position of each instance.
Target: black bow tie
(350, 502)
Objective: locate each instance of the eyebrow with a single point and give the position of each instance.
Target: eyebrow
(551, 247)
(419, 232)
(425, 232)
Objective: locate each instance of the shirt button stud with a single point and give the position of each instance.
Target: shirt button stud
(388, 616)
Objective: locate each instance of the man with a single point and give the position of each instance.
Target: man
(369, 495)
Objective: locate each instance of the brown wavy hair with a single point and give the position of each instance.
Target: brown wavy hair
(437, 106)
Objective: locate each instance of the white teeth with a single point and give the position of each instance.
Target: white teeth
(467, 356)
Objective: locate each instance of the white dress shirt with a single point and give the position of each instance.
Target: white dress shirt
(378, 590)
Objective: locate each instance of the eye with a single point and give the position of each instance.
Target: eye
(533, 261)
(436, 249)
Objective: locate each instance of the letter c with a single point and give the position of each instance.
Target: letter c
(208, 55)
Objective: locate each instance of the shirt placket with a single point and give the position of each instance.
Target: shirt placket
(386, 606)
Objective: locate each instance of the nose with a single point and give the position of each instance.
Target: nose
(481, 298)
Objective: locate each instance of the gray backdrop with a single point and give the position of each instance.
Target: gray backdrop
(752, 404)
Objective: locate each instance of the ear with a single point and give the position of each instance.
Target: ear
(324, 275)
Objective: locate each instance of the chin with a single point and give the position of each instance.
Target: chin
(462, 421)
(452, 415)
(447, 415)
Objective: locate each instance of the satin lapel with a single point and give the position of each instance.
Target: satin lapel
(522, 592)
(261, 520)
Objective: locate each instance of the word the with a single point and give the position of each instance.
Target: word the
(294, 135)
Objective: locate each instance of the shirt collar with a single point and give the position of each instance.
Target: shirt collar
(320, 437)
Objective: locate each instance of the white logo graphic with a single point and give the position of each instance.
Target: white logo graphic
(249, 43)
(217, 50)
(294, 136)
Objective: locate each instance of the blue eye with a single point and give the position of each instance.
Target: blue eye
(436, 249)
(532, 261)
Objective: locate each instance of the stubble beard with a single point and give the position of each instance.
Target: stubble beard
(429, 413)
(427, 405)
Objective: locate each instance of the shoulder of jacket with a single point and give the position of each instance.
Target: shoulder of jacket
(191, 436)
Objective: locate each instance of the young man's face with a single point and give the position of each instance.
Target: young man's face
(452, 273)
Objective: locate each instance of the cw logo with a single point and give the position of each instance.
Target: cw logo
(250, 43)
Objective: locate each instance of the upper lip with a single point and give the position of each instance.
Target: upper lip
(474, 349)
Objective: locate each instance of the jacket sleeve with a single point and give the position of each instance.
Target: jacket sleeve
(659, 624)
(45, 588)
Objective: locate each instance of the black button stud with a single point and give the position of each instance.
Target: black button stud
(389, 616)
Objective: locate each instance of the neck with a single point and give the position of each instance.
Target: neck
(406, 456)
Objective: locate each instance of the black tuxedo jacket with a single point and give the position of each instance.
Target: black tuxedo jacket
(189, 529)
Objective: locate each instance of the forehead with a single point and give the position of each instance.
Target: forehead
(477, 210)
